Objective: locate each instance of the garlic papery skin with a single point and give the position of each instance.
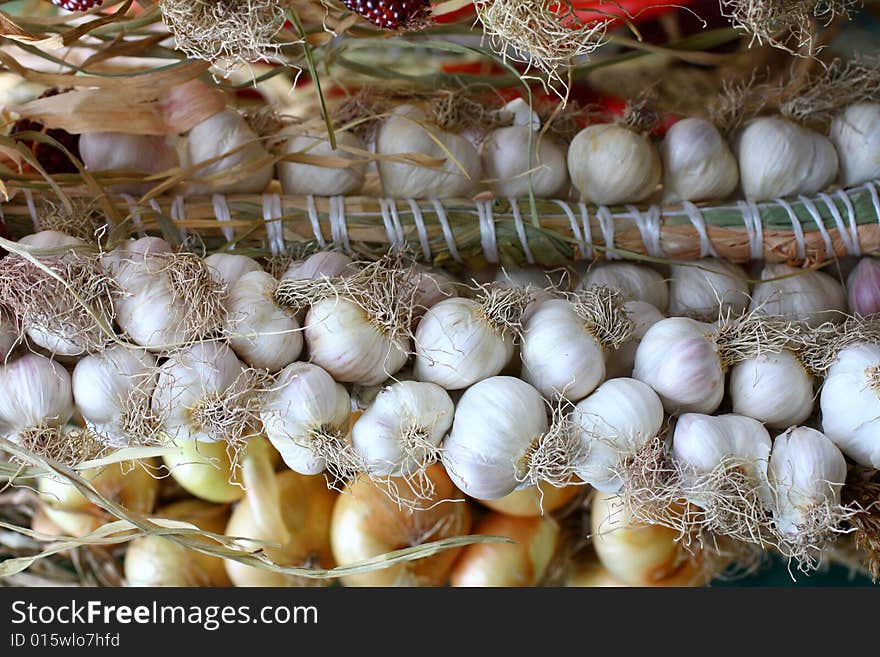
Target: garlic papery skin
(679, 358)
(708, 289)
(303, 179)
(807, 472)
(523, 563)
(202, 393)
(460, 341)
(773, 388)
(610, 164)
(143, 154)
(500, 424)
(227, 268)
(619, 362)
(863, 287)
(401, 431)
(263, 334)
(698, 165)
(406, 132)
(634, 282)
(236, 160)
(807, 296)
(305, 416)
(850, 403)
(612, 424)
(856, 133)
(112, 391)
(534, 501)
(513, 166)
(322, 264)
(35, 396)
(778, 158)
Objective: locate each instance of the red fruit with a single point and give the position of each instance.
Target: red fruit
(77, 5)
(50, 158)
(392, 14)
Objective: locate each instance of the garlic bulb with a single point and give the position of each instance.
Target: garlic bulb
(302, 179)
(619, 362)
(305, 416)
(698, 165)
(401, 431)
(227, 268)
(801, 295)
(203, 392)
(850, 403)
(863, 288)
(237, 162)
(564, 342)
(8, 338)
(634, 282)
(856, 133)
(35, 396)
(534, 500)
(707, 289)
(406, 132)
(262, 334)
(432, 287)
(367, 522)
(518, 158)
(112, 391)
(613, 423)
(773, 388)
(461, 341)
(143, 154)
(322, 264)
(523, 563)
(156, 561)
(778, 158)
(610, 164)
(807, 473)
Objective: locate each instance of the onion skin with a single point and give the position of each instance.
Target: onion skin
(592, 574)
(155, 561)
(367, 522)
(501, 564)
(528, 501)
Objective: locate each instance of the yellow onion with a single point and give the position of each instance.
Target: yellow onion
(367, 522)
(534, 500)
(156, 561)
(590, 573)
(524, 563)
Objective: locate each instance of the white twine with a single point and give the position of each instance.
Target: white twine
(875, 199)
(272, 212)
(487, 231)
(29, 197)
(575, 229)
(178, 213)
(820, 224)
(521, 231)
(588, 230)
(754, 228)
(315, 221)
(648, 224)
(338, 228)
(606, 225)
(842, 228)
(224, 216)
(695, 216)
(419, 222)
(796, 228)
(853, 225)
(389, 225)
(135, 213)
(448, 235)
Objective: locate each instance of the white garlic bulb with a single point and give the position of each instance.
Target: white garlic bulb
(800, 295)
(856, 133)
(619, 362)
(850, 403)
(698, 165)
(679, 358)
(321, 264)
(112, 391)
(402, 429)
(305, 416)
(227, 268)
(144, 154)
(778, 158)
(807, 472)
(634, 282)
(35, 393)
(262, 333)
(610, 164)
(498, 421)
(200, 393)
(707, 289)
(247, 170)
(863, 287)
(406, 132)
(432, 287)
(303, 179)
(773, 388)
(619, 418)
